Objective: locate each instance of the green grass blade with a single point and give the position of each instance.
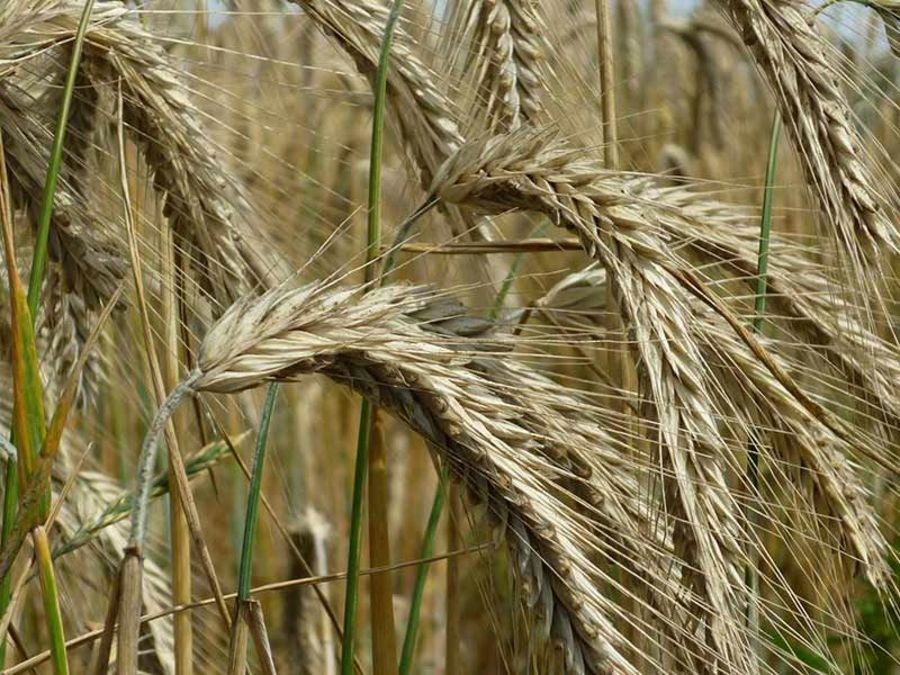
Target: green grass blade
(33, 503)
(415, 607)
(39, 260)
(366, 416)
(751, 477)
(251, 519)
(50, 594)
(240, 627)
(28, 423)
(765, 227)
(373, 221)
(351, 597)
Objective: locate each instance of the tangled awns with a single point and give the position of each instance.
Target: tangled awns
(451, 337)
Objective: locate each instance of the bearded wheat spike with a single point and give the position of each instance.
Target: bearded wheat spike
(86, 253)
(197, 193)
(633, 238)
(515, 439)
(793, 57)
(726, 227)
(86, 268)
(426, 118)
(837, 486)
(802, 299)
(519, 443)
(531, 172)
(693, 451)
(365, 343)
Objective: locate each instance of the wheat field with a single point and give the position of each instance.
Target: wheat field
(450, 336)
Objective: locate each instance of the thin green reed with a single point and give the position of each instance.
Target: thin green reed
(373, 243)
(751, 575)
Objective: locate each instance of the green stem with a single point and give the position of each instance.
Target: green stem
(765, 227)
(39, 260)
(50, 594)
(351, 598)
(373, 221)
(366, 416)
(412, 627)
(250, 522)
(10, 502)
(751, 577)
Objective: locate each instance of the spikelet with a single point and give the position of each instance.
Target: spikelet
(506, 53)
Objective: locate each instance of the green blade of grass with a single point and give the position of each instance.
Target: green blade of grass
(415, 607)
(39, 260)
(373, 220)
(351, 597)
(38, 265)
(28, 423)
(239, 627)
(251, 519)
(33, 504)
(366, 414)
(751, 476)
(765, 226)
(50, 595)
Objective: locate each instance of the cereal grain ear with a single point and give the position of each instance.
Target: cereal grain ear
(801, 70)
